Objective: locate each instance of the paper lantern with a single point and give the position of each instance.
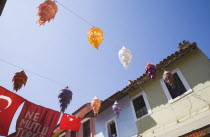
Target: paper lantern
(64, 97)
(169, 78)
(116, 108)
(150, 70)
(47, 11)
(125, 57)
(19, 80)
(95, 37)
(95, 105)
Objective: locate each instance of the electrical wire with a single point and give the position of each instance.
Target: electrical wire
(77, 15)
(74, 13)
(52, 80)
(46, 78)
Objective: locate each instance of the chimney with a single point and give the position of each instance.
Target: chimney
(130, 81)
(184, 45)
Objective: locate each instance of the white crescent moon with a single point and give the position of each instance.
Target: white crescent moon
(7, 99)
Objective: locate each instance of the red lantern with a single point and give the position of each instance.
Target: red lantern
(19, 80)
(168, 78)
(47, 11)
(150, 70)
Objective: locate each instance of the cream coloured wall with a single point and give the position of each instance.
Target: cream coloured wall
(196, 69)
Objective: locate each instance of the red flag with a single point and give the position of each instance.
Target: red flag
(36, 121)
(70, 122)
(9, 103)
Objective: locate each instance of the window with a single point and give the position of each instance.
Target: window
(63, 134)
(86, 129)
(181, 88)
(112, 128)
(140, 105)
(73, 134)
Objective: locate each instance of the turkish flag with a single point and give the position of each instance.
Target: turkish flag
(9, 103)
(70, 122)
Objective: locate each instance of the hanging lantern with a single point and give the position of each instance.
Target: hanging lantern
(19, 80)
(47, 11)
(95, 105)
(64, 97)
(95, 36)
(169, 78)
(116, 108)
(125, 57)
(150, 70)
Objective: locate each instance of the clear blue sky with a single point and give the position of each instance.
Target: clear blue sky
(59, 50)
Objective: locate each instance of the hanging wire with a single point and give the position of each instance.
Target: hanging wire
(74, 13)
(77, 15)
(54, 81)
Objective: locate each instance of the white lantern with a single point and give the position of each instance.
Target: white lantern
(125, 56)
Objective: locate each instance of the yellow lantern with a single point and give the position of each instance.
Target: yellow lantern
(95, 105)
(95, 36)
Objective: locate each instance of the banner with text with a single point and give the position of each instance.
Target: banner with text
(36, 121)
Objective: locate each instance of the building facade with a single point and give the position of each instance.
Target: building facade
(173, 112)
(159, 110)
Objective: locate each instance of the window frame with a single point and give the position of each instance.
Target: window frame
(72, 131)
(64, 133)
(83, 121)
(185, 83)
(149, 111)
(106, 125)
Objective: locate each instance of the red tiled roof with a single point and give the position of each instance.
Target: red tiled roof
(80, 108)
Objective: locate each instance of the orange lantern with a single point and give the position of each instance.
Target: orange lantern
(47, 11)
(95, 105)
(19, 80)
(95, 36)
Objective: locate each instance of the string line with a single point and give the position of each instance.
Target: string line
(77, 15)
(74, 13)
(54, 81)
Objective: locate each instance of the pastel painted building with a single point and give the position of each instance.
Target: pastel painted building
(108, 125)
(180, 111)
(151, 108)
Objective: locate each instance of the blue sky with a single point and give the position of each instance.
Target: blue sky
(59, 50)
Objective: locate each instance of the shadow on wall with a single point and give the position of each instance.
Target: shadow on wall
(145, 124)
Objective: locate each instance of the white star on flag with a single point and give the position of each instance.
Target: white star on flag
(70, 119)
